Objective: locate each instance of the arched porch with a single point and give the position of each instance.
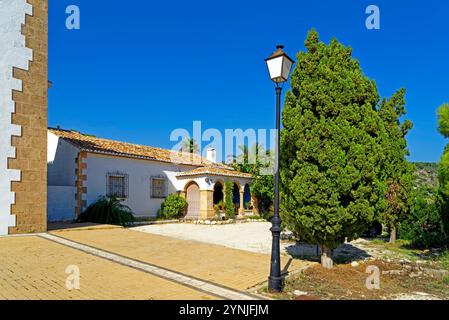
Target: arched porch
(218, 192)
(211, 186)
(243, 200)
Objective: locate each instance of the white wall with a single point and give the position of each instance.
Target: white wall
(61, 164)
(61, 203)
(13, 53)
(61, 176)
(139, 175)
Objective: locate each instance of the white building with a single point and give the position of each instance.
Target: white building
(81, 168)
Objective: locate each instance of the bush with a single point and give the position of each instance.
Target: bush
(443, 205)
(173, 207)
(263, 189)
(424, 225)
(229, 200)
(108, 210)
(268, 215)
(220, 206)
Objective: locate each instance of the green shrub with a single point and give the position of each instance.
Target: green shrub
(267, 215)
(220, 206)
(108, 210)
(229, 200)
(443, 260)
(173, 207)
(263, 189)
(423, 226)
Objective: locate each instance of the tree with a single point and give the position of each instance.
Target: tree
(229, 200)
(248, 159)
(189, 145)
(262, 187)
(443, 192)
(330, 150)
(443, 120)
(443, 171)
(259, 162)
(397, 174)
(423, 227)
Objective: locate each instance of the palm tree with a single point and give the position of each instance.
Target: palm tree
(249, 160)
(189, 145)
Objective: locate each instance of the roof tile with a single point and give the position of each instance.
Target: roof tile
(214, 170)
(116, 148)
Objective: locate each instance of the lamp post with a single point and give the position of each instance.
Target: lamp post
(279, 66)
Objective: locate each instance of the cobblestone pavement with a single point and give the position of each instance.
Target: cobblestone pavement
(34, 268)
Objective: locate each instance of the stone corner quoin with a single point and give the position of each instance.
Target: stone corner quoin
(23, 115)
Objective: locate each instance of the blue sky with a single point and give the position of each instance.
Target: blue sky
(136, 70)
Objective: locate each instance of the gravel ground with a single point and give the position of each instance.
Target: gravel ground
(251, 236)
(256, 237)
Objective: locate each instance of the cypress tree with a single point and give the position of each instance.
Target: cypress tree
(229, 200)
(330, 147)
(443, 171)
(397, 173)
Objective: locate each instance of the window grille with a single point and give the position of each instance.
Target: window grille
(158, 187)
(117, 185)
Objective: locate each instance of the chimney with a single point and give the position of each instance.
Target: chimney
(212, 155)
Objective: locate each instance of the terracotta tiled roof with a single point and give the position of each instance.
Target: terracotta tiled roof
(115, 148)
(215, 171)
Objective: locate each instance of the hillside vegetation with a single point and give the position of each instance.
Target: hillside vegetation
(426, 174)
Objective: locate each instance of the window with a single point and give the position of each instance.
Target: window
(117, 185)
(158, 187)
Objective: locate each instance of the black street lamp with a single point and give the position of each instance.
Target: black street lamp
(279, 66)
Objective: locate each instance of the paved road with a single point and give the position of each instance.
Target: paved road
(116, 263)
(220, 265)
(34, 268)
